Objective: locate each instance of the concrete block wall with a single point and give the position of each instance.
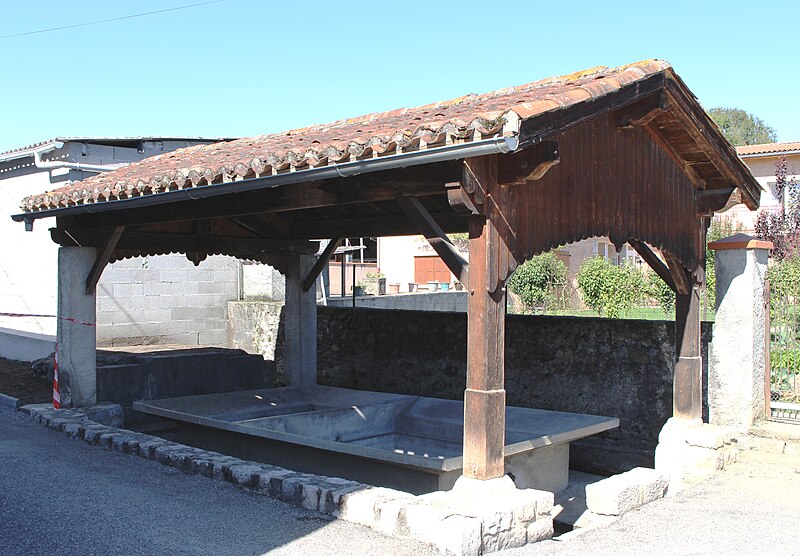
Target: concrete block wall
(166, 300)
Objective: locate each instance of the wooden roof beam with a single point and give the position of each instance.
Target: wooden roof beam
(436, 237)
(319, 266)
(653, 261)
(680, 276)
(103, 256)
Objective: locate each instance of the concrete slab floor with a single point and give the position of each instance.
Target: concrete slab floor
(750, 508)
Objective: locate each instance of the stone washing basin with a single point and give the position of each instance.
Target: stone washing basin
(406, 442)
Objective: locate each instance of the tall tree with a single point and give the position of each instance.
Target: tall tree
(742, 128)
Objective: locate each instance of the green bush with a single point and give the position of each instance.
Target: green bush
(609, 289)
(538, 281)
(659, 290)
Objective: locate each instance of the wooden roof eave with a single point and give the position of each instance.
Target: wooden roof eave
(708, 138)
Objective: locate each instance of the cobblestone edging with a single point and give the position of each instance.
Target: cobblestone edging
(447, 521)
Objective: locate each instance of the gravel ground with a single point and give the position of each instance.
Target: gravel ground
(17, 381)
(60, 496)
(751, 508)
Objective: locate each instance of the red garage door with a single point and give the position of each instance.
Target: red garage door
(428, 269)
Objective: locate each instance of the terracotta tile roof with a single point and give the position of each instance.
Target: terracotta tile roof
(463, 119)
(768, 148)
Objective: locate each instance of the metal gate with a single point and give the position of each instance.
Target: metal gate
(783, 351)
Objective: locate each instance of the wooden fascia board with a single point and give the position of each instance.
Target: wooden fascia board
(551, 123)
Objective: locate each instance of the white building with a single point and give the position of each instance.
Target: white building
(129, 311)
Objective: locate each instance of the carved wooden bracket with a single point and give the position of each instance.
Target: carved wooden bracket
(642, 112)
(528, 164)
(717, 200)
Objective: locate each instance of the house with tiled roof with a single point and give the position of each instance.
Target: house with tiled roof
(127, 311)
(762, 160)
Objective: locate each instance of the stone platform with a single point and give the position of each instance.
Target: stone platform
(406, 442)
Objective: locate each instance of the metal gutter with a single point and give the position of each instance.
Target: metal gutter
(57, 164)
(500, 145)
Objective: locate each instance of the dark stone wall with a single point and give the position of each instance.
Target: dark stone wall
(617, 368)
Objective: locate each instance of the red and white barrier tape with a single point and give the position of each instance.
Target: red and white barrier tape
(56, 395)
(68, 319)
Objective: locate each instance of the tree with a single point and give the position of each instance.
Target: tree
(742, 128)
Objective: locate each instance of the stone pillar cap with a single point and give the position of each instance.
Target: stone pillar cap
(739, 241)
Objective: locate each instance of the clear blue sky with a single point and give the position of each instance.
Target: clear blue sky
(246, 67)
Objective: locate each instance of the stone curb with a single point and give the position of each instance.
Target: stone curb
(8, 401)
(387, 511)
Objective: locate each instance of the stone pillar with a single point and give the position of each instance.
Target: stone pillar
(76, 343)
(737, 366)
(300, 360)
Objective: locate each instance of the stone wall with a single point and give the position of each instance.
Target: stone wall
(616, 368)
(453, 301)
(166, 300)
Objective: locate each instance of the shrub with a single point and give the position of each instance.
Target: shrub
(661, 292)
(609, 289)
(538, 280)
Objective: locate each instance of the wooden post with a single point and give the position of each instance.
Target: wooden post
(485, 397)
(688, 379)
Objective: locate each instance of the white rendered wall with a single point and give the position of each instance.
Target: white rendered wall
(28, 260)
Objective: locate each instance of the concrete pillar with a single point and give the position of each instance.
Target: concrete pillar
(300, 317)
(77, 343)
(737, 366)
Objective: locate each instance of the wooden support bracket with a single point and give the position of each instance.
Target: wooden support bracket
(680, 276)
(319, 266)
(653, 261)
(103, 256)
(425, 223)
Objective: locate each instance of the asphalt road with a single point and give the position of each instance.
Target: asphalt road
(60, 496)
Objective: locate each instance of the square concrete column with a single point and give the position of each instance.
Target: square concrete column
(300, 314)
(76, 343)
(737, 367)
